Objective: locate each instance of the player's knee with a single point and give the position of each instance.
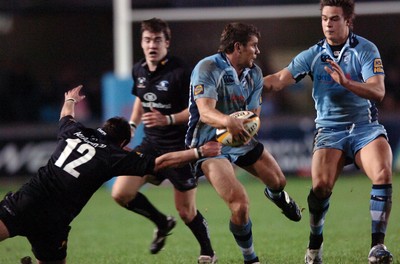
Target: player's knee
(187, 214)
(322, 191)
(277, 183)
(240, 209)
(383, 176)
(122, 198)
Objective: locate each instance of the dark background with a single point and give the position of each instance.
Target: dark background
(48, 47)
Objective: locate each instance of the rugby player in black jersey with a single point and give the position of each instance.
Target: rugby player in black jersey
(43, 208)
(161, 90)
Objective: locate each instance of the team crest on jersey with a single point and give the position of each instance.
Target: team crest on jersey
(163, 85)
(198, 89)
(141, 82)
(150, 97)
(378, 66)
(228, 79)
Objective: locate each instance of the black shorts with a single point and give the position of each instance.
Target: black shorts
(182, 178)
(39, 221)
(250, 157)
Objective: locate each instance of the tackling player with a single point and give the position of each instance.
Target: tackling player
(348, 81)
(221, 84)
(85, 158)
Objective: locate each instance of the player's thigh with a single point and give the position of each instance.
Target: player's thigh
(220, 173)
(4, 234)
(326, 165)
(375, 159)
(127, 185)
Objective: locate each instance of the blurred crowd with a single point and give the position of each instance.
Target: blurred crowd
(25, 97)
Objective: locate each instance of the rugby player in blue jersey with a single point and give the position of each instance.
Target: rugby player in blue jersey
(221, 84)
(84, 158)
(348, 81)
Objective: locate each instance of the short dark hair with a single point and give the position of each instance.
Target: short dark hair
(118, 130)
(156, 25)
(236, 32)
(346, 5)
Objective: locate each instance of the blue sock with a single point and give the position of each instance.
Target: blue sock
(244, 239)
(380, 207)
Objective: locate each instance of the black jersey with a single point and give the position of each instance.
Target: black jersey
(83, 160)
(167, 91)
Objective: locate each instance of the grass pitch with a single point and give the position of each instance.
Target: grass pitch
(104, 233)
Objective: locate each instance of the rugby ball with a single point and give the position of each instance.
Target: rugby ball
(252, 125)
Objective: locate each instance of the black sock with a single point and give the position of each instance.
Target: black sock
(141, 205)
(377, 238)
(315, 241)
(199, 228)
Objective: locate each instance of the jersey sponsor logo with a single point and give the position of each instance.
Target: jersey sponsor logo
(325, 57)
(163, 85)
(198, 89)
(89, 140)
(156, 105)
(228, 79)
(151, 97)
(141, 82)
(378, 66)
(235, 98)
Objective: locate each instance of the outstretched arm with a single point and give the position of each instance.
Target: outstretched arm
(180, 158)
(278, 81)
(70, 99)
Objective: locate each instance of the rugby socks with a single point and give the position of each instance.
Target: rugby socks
(141, 205)
(318, 209)
(380, 207)
(244, 239)
(199, 228)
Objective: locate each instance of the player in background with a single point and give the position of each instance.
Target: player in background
(85, 158)
(161, 87)
(221, 84)
(348, 81)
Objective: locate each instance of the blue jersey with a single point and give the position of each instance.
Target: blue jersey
(214, 77)
(335, 105)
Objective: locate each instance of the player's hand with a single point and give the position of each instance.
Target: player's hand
(74, 95)
(336, 73)
(236, 128)
(154, 118)
(210, 149)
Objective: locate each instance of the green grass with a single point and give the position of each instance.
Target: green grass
(104, 233)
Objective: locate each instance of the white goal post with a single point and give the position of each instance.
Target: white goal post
(124, 15)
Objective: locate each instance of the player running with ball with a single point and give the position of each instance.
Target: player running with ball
(221, 84)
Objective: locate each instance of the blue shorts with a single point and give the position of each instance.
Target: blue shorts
(246, 159)
(349, 139)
